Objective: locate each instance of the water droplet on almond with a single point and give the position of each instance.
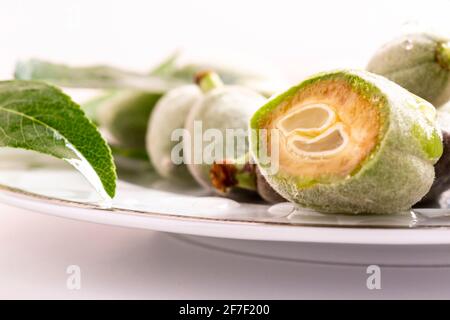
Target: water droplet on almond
(408, 44)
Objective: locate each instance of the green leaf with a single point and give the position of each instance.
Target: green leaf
(97, 77)
(91, 107)
(39, 117)
(168, 66)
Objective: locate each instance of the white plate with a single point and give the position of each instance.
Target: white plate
(39, 183)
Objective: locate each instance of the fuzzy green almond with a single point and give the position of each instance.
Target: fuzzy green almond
(164, 127)
(396, 173)
(435, 198)
(418, 62)
(221, 109)
(124, 117)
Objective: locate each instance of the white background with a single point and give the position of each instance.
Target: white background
(299, 37)
(120, 263)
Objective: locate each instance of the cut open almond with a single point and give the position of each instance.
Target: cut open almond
(325, 131)
(326, 144)
(347, 141)
(312, 131)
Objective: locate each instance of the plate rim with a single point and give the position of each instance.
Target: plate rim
(224, 228)
(85, 205)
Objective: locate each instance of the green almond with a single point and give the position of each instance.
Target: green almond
(418, 62)
(382, 160)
